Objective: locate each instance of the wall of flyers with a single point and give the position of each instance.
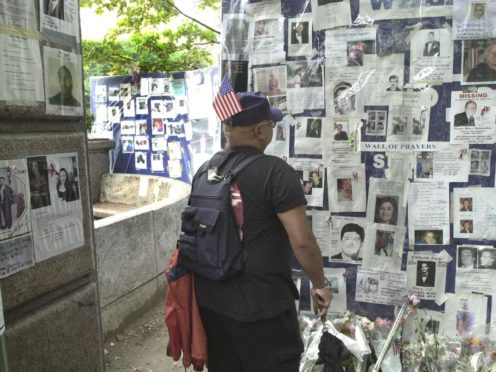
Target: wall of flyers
(150, 121)
(390, 123)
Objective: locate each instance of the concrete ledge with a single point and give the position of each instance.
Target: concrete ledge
(132, 249)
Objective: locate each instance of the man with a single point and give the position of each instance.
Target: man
(250, 319)
(485, 71)
(487, 258)
(466, 118)
(54, 8)
(352, 236)
(431, 48)
(64, 97)
(393, 84)
(6, 201)
(340, 134)
(467, 258)
(425, 278)
(299, 34)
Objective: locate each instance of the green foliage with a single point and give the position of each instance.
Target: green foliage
(142, 39)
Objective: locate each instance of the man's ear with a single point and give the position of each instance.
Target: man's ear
(259, 134)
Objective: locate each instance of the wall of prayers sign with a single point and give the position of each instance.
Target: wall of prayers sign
(390, 124)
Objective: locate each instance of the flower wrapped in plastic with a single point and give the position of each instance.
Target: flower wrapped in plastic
(356, 347)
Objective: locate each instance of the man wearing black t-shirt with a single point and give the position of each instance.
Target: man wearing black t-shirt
(250, 319)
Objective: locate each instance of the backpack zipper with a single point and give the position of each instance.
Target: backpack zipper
(206, 196)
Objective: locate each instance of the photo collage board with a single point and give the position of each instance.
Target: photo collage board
(148, 120)
(390, 123)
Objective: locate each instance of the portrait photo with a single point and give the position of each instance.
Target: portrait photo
(12, 199)
(357, 49)
(386, 210)
(424, 167)
(300, 33)
(429, 237)
(280, 136)
(466, 226)
(465, 204)
(271, 81)
(158, 126)
(38, 182)
(54, 8)
(467, 257)
(344, 98)
(316, 179)
(341, 129)
(344, 189)
(66, 179)
(352, 237)
(63, 84)
(479, 61)
(127, 145)
(426, 274)
(486, 258)
(384, 243)
(314, 128)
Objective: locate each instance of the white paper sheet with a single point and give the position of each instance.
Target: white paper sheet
(428, 225)
(56, 210)
(379, 287)
(20, 70)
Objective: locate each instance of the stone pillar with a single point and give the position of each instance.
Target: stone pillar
(52, 310)
(99, 163)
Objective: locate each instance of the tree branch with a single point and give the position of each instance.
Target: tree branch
(172, 5)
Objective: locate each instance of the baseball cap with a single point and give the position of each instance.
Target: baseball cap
(256, 108)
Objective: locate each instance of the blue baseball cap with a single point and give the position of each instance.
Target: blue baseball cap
(256, 108)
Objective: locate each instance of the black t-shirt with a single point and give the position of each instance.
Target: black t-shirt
(265, 287)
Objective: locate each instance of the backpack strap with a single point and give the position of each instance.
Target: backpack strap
(242, 162)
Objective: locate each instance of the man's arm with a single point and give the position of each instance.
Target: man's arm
(307, 252)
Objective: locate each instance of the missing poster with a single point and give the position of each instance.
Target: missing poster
(63, 85)
(16, 243)
(346, 188)
(426, 275)
(427, 225)
(475, 269)
(379, 287)
(20, 69)
(61, 16)
(474, 213)
(330, 13)
(474, 19)
(472, 117)
(56, 211)
(312, 179)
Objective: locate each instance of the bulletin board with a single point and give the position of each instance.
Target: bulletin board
(390, 124)
(147, 117)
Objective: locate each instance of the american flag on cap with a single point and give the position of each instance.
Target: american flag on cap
(226, 104)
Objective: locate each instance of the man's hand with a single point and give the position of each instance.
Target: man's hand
(324, 298)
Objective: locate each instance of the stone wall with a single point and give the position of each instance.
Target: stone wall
(52, 312)
(133, 249)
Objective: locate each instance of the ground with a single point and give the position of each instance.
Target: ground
(141, 347)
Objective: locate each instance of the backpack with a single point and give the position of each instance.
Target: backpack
(210, 244)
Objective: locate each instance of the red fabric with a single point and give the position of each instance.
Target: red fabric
(182, 317)
(237, 208)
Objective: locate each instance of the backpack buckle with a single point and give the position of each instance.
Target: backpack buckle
(201, 229)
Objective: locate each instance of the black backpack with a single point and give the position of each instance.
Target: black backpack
(210, 244)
